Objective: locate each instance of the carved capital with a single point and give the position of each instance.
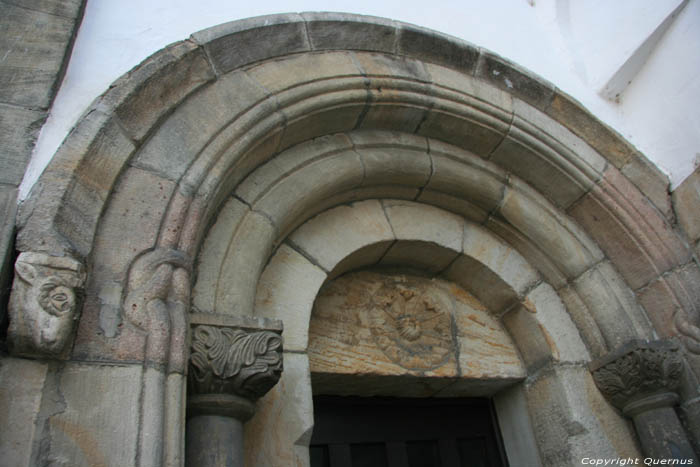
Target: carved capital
(234, 361)
(640, 376)
(44, 304)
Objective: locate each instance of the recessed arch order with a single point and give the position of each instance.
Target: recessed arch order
(247, 139)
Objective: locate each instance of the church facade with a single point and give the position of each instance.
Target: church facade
(327, 204)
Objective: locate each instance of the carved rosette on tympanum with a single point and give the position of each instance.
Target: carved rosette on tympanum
(411, 323)
(640, 376)
(44, 304)
(234, 361)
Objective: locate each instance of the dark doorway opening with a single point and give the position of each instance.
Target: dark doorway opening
(401, 432)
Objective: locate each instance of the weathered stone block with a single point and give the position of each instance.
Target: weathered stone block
(328, 31)
(19, 129)
(660, 304)
(245, 259)
(467, 85)
(33, 46)
(572, 420)
(402, 216)
(638, 240)
(287, 201)
(585, 323)
(567, 245)
(561, 334)
(612, 305)
(533, 253)
(213, 253)
(530, 337)
(232, 45)
(278, 75)
(465, 176)
(499, 257)
(434, 47)
(466, 126)
(70, 195)
(323, 114)
(155, 86)
(548, 156)
(395, 166)
(289, 408)
(514, 79)
(139, 199)
(480, 280)
(601, 137)
(64, 8)
(686, 203)
(286, 291)
(420, 255)
(334, 235)
(21, 384)
(453, 204)
(653, 183)
(185, 133)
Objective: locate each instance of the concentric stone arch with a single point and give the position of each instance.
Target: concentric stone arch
(191, 135)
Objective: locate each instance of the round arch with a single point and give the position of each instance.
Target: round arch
(247, 130)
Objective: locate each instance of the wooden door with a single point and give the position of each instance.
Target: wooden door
(388, 432)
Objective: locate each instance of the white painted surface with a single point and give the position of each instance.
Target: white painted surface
(574, 44)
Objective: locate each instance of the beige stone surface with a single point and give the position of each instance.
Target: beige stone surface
(686, 202)
(565, 243)
(465, 176)
(287, 201)
(21, 385)
(381, 326)
(551, 314)
(95, 420)
(571, 420)
(501, 258)
(278, 75)
(245, 259)
(213, 252)
(613, 305)
(286, 291)
(414, 221)
(430, 258)
(288, 410)
(333, 235)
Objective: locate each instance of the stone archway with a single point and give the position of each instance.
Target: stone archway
(197, 169)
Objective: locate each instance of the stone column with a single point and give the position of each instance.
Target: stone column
(641, 379)
(233, 362)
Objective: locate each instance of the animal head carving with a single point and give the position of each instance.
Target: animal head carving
(44, 304)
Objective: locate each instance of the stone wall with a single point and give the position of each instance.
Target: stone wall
(35, 43)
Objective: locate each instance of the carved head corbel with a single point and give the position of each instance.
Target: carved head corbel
(44, 304)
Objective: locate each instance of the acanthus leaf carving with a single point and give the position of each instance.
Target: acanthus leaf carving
(44, 304)
(234, 361)
(640, 371)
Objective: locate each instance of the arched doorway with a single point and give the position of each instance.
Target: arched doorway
(233, 175)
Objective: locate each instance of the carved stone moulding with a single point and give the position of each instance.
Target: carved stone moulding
(641, 375)
(44, 304)
(234, 361)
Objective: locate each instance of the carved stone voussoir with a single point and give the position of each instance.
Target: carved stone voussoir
(232, 360)
(640, 375)
(44, 304)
